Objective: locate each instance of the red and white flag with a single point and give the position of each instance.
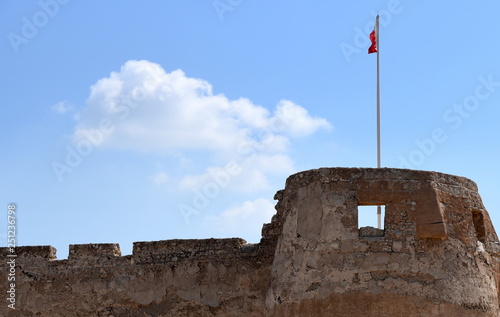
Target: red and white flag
(374, 39)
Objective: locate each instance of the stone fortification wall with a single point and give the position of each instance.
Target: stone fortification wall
(162, 278)
(438, 255)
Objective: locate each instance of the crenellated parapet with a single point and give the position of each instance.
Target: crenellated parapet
(151, 252)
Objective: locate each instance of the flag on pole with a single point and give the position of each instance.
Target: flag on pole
(374, 48)
(373, 38)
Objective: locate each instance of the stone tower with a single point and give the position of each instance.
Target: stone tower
(438, 255)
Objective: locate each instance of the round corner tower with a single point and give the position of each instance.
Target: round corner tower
(438, 254)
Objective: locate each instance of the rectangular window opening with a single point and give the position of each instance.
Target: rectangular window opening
(370, 223)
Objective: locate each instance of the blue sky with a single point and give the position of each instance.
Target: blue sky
(130, 121)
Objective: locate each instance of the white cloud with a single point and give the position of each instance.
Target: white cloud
(152, 110)
(143, 108)
(243, 220)
(250, 174)
(298, 121)
(62, 107)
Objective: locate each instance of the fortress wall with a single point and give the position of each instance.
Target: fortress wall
(160, 278)
(438, 255)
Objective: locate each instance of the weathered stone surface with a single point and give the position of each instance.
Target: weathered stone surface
(370, 232)
(438, 255)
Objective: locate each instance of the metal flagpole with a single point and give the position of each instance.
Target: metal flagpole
(377, 37)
